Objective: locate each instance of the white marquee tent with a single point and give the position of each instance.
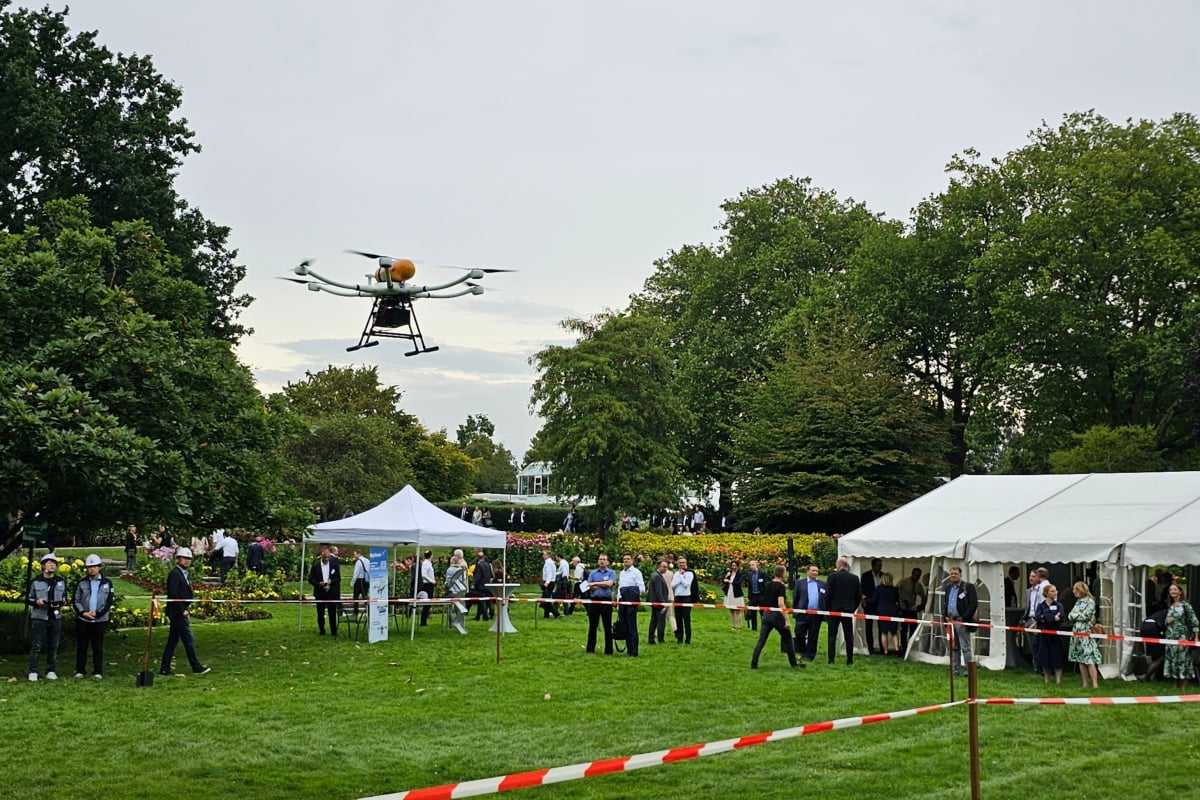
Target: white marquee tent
(406, 518)
(1123, 522)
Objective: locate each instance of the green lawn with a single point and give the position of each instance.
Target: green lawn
(288, 714)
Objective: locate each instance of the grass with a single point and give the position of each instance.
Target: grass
(288, 714)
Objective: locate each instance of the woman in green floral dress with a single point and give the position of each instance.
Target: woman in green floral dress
(1181, 624)
(1084, 650)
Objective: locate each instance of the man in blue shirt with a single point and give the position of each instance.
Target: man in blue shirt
(631, 586)
(961, 604)
(600, 581)
(809, 593)
(93, 600)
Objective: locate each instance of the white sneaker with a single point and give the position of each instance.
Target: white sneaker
(33, 676)
(80, 675)
(98, 676)
(51, 676)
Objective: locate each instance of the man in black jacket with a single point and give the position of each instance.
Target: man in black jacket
(844, 592)
(810, 592)
(179, 600)
(479, 582)
(326, 580)
(960, 606)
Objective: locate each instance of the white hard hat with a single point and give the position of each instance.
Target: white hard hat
(92, 561)
(183, 552)
(49, 557)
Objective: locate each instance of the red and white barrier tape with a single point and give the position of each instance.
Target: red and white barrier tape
(591, 769)
(1087, 701)
(1115, 637)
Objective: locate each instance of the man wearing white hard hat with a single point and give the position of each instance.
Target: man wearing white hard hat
(179, 599)
(45, 597)
(93, 600)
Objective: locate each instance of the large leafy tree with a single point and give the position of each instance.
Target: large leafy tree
(360, 447)
(496, 466)
(608, 425)
(785, 249)
(75, 119)
(107, 410)
(1103, 449)
(833, 437)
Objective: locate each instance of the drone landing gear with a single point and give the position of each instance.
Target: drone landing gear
(392, 318)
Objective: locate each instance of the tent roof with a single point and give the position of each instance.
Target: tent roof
(1043, 518)
(406, 518)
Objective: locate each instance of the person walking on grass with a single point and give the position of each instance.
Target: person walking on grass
(961, 603)
(775, 598)
(179, 601)
(630, 588)
(45, 597)
(93, 599)
(658, 592)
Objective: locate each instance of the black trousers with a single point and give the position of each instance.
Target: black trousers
(751, 614)
(658, 624)
(327, 606)
(600, 614)
(483, 607)
(773, 621)
(808, 630)
(548, 609)
(683, 625)
(847, 626)
(361, 591)
(629, 615)
(89, 634)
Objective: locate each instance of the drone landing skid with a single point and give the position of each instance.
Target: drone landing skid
(392, 318)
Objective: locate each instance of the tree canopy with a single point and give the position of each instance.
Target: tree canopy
(110, 412)
(75, 119)
(609, 428)
(359, 448)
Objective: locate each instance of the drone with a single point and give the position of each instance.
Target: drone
(392, 315)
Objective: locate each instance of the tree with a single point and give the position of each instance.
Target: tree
(608, 422)
(497, 469)
(726, 308)
(77, 120)
(833, 437)
(360, 448)
(109, 412)
(1093, 278)
(1103, 449)
(475, 425)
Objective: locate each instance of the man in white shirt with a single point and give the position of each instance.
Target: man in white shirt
(562, 584)
(1033, 597)
(549, 578)
(428, 584)
(631, 585)
(229, 554)
(578, 573)
(361, 581)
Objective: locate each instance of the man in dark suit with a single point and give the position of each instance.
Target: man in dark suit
(844, 593)
(756, 581)
(479, 582)
(658, 593)
(326, 580)
(179, 600)
(869, 581)
(960, 605)
(809, 592)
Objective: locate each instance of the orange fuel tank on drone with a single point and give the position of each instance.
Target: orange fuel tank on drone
(401, 270)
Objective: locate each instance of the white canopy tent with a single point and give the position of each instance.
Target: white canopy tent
(1123, 522)
(405, 518)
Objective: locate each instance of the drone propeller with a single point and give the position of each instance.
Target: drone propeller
(367, 255)
(293, 280)
(468, 269)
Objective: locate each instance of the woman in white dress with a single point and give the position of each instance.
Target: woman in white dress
(734, 593)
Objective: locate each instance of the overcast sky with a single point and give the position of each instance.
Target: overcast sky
(578, 142)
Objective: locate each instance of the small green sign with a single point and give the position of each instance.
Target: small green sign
(34, 531)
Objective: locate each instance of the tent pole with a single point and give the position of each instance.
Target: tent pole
(503, 594)
(300, 574)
